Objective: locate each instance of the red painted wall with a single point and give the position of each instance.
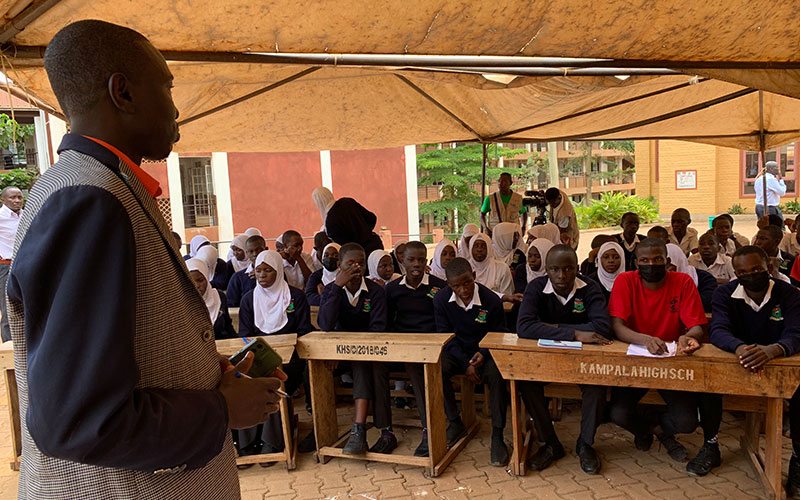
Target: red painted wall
(272, 191)
(158, 169)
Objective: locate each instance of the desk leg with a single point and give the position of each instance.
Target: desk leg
(13, 416)
(516, 429)
(323, 405)
(772, 458)
(434, 406)
(286, 425)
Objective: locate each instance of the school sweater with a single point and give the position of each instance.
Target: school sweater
(518, 261)
(469, 326)
(734, 322)
(630, 255)
(706, 286)
(239, 284)
(411, 310)
(223, 325)
(221, 276)
(595, 277)
(312, 294)
(520, 279)
(587, 268)
(298, 315)
(367, 315)
(585, 310)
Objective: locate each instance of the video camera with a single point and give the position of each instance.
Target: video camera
(535, 199)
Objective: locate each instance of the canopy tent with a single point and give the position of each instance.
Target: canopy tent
(366, 74)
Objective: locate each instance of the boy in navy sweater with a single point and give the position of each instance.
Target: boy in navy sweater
(470, 310)
(245, 280)
(758, 318)
(353, 304)
(563, 306)
(410, 302)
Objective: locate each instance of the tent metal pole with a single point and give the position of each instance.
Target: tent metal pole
(439, 105)
(29, 14)
(483, 175)
(762, 140)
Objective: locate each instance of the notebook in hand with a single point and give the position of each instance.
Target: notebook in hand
(561, 344)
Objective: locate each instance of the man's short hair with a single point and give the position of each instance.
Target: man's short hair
(709, 234)
(7, 190)
(660, 230)
(598, 240)
(506, 174)
(551, 193)
(774, 232)
(321, 239)
(726, 217)
(416, 245)
(775, 220)
(559, 249)
(256, 239)
(751, 249)
(348, 248)
(290, 233)
(81, 58)
(651, 243)
(177, 237)
(457, 267)
(682, 212)
(626, 215)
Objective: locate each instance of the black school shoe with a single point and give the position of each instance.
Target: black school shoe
(455, 431)
(357, 443)
(707, 458)
(675, 450)
(545, 456)
(385, 444)
(499, 452)
(643, 442)
(793, 482)
(308, 443)
(422, 449)
(590, 462)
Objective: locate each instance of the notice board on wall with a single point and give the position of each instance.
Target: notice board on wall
(686, 179)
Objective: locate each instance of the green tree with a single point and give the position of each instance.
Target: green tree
(12, 133)
(457, 171)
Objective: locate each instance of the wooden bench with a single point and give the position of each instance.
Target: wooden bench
(284, 345)
(426, 348)
(234, 313)
(12, 398)
(707, 370)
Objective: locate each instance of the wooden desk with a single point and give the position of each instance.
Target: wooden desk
(234, 313)
(318, 347)
(708, 370)
(12, 398)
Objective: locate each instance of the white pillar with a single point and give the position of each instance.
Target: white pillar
(58, 128)
(176, 195)
(412, 198)
(325, 167)
(222, 190)
(42, 148)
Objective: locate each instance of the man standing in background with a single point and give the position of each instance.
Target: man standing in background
(775, 189)
(562, 214)
(504, 205)
(9, 220)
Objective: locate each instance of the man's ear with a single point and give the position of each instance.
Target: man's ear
(119, 89)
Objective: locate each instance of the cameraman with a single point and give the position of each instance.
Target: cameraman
(563, 215)
(503, 205)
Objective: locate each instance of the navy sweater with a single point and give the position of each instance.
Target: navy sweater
(520, 279)
(223, 326)
(469, 326)
(221, 276)
(734, 323)
(586, 310)
(368, 315)
(594, 277)
(312, 294)
(706, 286)
(239, 284)
(630, 256)
(298, 316)
(412, 310)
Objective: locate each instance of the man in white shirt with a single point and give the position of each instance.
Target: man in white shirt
(562, 214)
(10, 214)
(775, 189)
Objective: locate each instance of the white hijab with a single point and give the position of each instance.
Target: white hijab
(239, 242)
(399, 262)
(543, 245)
(329, 276)
(209, 255)
(211, 296)
(372, 263)
(548, 231)
(607, 279)
(679, 260)
(252, 231)
(194, 245)
(486, 271)
(269, 304)
(436, 264)
(463, 246)
(323, 199)
(503, 241)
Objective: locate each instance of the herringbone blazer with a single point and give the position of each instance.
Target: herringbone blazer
(173, 348)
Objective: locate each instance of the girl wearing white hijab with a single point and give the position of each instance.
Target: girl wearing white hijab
(238, 259)
(252, 231)
(397, 257)
(489, 271)
(381, 269)
(469, 231)
(445, 252)
(680, 262)
(196, 244)
(534, 264)
(548, 231)
(320, 278)
(507, 244)
(214, 299)
(218, 274)
(273, 308)
(324, 200)
(610, 264)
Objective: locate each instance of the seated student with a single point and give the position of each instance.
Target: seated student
(628, 239)
(680, 233)
(547, 231)
(218, 268)
(273, 308)
(611, 265)
(741, 239)
(659, 232)
(214, 299)
(320, 279)
(245, 280)
(650, 307)
(704, 281)
(534, 268)
(769, 239)
(467, 233)
(563, 306)
(410, 304)
(178, 241)
(196, 244)
(790, 243)
(722, 227)
(397, 257)
(444, 252)
(507, 244)
(296, 263)
(758, 318)
(709, 258)
(489, 271)
(238, 260)
(321, 240)
(471, 310)
(278, 244)
(381, 268)
(589, 264)
(768, 220)
(354, 304)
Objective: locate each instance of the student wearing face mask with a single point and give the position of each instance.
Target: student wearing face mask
(320, 279)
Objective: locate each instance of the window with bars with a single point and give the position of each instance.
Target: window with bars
(199, 201)
(751, 166)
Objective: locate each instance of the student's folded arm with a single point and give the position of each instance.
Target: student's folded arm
(625, 334)
(329, 304)
(303, 311)
(247, 325)
(83, 401)
(530, 325)
(599, 321)
(377, 313)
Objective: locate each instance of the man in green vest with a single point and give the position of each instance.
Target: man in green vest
(503, 205)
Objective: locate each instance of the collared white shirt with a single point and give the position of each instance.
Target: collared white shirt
(741, 293)
(9, 221)
(294, 275)
(789, 244)
(476, 300)
(775, 189)
(721, 268)
(689, 241)
(626, 245)
(353, 298)
(424, 281)
(548, 288)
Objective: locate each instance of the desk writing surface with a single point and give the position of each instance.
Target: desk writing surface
(284, 345)
(707, 370)
(373, 346)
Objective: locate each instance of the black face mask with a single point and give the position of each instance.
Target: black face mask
(754, 282)
(330, 263)
(653, 273)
